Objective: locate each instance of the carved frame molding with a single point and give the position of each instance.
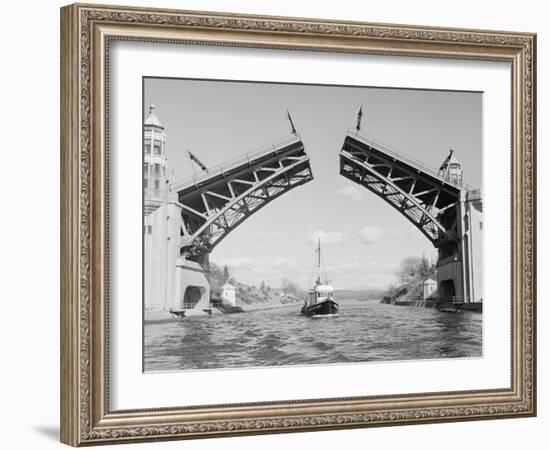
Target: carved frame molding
(86, 31)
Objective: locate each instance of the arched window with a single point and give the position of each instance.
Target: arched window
(157, 148)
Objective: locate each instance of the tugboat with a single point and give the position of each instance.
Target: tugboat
(320, 301)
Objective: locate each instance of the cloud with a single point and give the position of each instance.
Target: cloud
(345, 273)
(257, 265)
(360, 274)
(371, 235)
(270, 270)
(358, 268)
(327, 237)
(353, 192)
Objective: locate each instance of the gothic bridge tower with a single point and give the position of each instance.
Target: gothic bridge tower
(155, 185)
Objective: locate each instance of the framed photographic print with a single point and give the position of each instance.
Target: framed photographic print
(275, 224)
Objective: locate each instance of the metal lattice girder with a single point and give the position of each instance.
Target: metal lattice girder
(219, 201)
(415, 191)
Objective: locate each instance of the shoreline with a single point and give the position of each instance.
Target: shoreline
(163, 316)
(439, 305)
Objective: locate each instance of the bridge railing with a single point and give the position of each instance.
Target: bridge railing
(405, 158)
(220, 169)
(188, 305)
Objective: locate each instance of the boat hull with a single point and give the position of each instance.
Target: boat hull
(326, 308)
(178, 314)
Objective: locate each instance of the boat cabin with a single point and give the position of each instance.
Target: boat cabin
(320, 292)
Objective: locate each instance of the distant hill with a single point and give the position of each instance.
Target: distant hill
(359, 294)
(253, 296)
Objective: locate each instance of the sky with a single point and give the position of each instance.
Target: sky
(363, 238)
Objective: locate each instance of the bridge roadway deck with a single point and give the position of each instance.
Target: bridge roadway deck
(290, 145)
(383, 151)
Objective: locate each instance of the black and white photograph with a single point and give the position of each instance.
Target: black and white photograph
(299, 224)
(243, 225)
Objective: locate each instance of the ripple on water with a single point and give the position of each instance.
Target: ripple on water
(364, 331)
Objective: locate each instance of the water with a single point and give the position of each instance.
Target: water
(363, 331)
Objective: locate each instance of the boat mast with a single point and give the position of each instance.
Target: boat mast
(319, 254)
(318, 262)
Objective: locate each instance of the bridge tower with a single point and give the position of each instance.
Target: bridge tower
(460, 250)
(155, 186)
(436, 202)
(168, 281)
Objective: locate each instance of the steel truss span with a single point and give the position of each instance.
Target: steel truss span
(217, 202)
(414, 190)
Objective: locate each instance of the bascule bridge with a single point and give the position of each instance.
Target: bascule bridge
(186, 220)
(437, 202)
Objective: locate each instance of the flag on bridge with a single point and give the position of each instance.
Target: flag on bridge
(197, 161)
(291, 122)
(359, 117)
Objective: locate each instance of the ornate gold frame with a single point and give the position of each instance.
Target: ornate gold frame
(86, 31)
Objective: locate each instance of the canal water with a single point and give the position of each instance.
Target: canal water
(363, 331)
